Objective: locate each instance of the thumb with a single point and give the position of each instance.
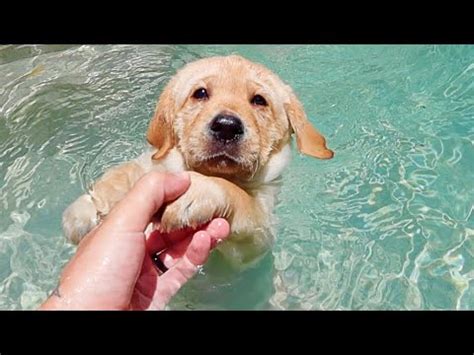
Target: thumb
(136, 210)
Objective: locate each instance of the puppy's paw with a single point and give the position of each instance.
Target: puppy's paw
(203, 201)
(79, 218)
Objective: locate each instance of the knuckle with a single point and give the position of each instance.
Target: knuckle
(153, 180)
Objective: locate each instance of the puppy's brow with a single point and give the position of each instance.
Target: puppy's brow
(203, 81)
(256, 87)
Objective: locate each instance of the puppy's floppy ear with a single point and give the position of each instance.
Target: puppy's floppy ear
(308, 139)
(160, 132)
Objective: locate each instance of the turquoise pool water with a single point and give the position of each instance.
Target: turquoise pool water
(387, 224)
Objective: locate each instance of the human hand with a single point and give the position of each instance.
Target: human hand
(113, 267)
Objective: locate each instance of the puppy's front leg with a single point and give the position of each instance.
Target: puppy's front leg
(210, 197)
(87, 211)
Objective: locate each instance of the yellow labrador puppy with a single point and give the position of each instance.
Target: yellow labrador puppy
(229, 122)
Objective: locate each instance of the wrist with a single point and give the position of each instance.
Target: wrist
(64, 300)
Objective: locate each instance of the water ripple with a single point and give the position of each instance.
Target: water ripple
(387, 224)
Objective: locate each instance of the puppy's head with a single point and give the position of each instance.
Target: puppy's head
(227, 116)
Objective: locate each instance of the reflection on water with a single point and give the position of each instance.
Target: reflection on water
(386, 224)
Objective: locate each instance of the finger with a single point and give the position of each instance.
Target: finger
(196, 254)
(135, 211)
(171, 256)
(183, 268)
(171, 281)
(158, 241)
(218, 229)
(176, 243)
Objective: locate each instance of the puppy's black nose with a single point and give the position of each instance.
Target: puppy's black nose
(226, 128)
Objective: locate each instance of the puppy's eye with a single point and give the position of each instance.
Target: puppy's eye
(201, 94)
(258, 100)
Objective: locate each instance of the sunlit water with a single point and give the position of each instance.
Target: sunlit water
(387, 224)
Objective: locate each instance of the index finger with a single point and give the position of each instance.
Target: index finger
(218, 228)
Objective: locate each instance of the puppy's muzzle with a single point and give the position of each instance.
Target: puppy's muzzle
(226, 128)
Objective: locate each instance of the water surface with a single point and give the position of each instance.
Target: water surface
(387, 224)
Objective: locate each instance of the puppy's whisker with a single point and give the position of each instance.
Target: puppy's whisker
(186, 161)
(257, 166)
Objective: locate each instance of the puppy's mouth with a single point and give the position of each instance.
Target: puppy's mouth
(222, 163)
(222, 159)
